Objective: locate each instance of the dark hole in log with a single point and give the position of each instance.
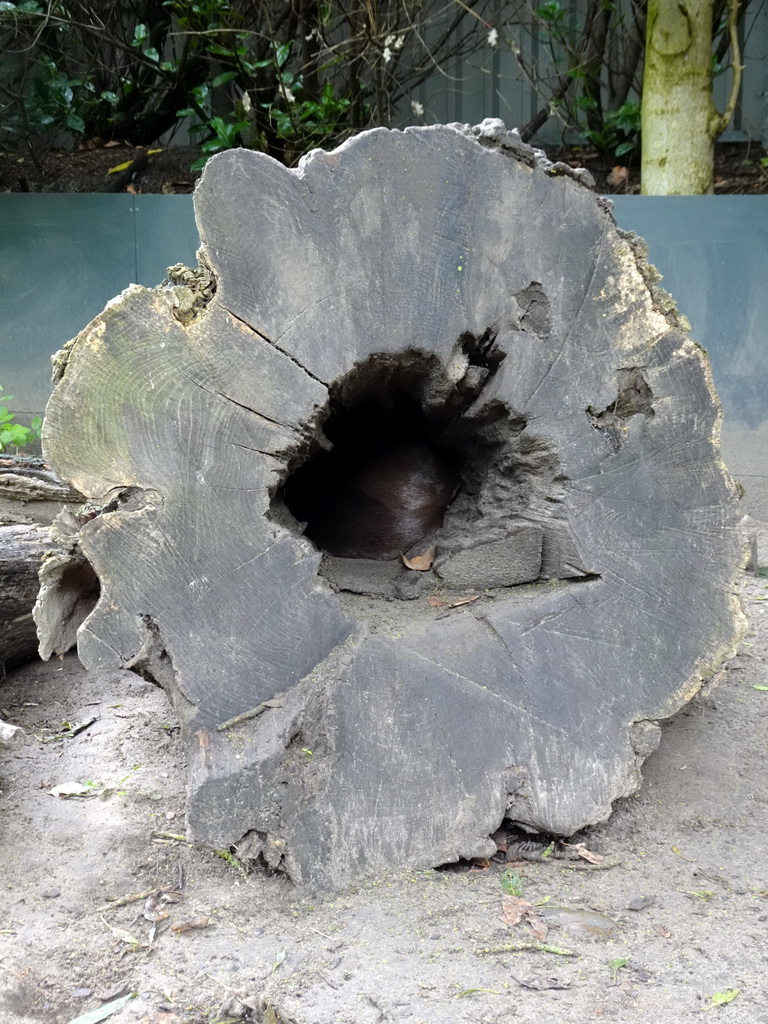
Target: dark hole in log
(411, 462)
(385, 484)
(79, 586)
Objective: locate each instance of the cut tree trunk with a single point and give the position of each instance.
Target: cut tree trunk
(432, 344)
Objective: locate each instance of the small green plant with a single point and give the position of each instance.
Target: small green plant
(617, 964)
(14, 435)
(702, 894)
(225, 135)
(511, 883)
(619, 131)
(229, 858)
(307, 119)
(295, 115)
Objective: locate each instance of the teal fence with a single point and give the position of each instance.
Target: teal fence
(63, 257)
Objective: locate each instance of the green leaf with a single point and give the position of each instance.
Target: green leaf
(550, 12)
(223, 78)
(511, 883)
(15, 436)
(151, 54)
(220, 51)
(102, 1012)
(282, 53)
(586, 103)
(721, 998)
(756, 687)
(140, 33)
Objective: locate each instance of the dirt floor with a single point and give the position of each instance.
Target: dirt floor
(673, 921)
(740, 168)
(103, 898)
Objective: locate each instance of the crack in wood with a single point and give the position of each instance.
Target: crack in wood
(274, 345)
(227, 398)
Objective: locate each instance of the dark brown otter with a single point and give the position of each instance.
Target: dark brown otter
(376, 503)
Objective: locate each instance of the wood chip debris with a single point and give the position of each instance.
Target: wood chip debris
(188, 926)
(436, 602)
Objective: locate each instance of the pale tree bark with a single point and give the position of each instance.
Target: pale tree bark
(679, 119)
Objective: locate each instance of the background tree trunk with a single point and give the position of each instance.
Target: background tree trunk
(679, 119)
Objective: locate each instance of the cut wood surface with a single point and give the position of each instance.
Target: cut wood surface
(446, 289)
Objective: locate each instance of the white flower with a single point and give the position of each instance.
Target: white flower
(417, 108)
(493, 37)
(387, 55)
(394, 43)
(289, 97)
(246, 103)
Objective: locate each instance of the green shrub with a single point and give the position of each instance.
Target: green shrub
(14, 435)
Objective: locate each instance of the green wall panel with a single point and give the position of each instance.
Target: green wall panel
(165, 234)
(62, 257)
(713, 253)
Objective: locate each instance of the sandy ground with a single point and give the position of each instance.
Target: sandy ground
(684, 883)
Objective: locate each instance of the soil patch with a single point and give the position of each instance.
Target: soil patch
(740, 169)
(94, 170)
(683, 884)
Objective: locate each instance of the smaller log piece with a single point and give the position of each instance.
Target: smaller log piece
(30, 497)
(22, 548)
(31, 493)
